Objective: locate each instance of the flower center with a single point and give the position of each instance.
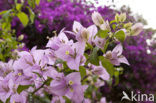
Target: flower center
(71, 83)
(19, 74)
(42, 69)
(85, 34)
(109, 55)
(67, 52)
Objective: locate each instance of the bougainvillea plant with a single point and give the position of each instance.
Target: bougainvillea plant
(69, 70)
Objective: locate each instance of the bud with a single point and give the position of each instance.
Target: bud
(22, 1)
(122, 17)
(117, 17)
(105, 26)
(97, 18)
(85, 34)
(21, 45)
(21, 37)
(136, 29)
(128, 25)
(109, 55)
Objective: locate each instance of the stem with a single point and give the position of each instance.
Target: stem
(40, 86)
(84, 78)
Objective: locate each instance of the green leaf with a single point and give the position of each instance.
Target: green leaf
(18, 6)
(67, 99)
(6, 14)
(82, 71)
(6, 26)
(37, 74)
(116, 74)
(105, 46)
(58, 61)
(22, 87)
(32, 15)
(48, 81)
(120, 70)
(95, 77)
(23, 18)
(37, 2)
(38, 99)
(89, 91)
(1, 101)
(3, 12)
(110, 82)
(32, 3)
(94, 57)
(7, 101)
(107, 65)
(113, 26)
(113, 21)
(88, 46)
(120, 35)
(103, 33)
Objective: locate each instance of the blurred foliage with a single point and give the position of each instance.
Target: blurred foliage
(8, 39)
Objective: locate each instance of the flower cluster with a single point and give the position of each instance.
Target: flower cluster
(55, 14)
(68, 69)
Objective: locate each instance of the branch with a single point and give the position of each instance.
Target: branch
(45, 82)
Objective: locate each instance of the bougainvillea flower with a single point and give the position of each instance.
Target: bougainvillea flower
(40, 57)
(87, 101)
(115, 56)
(23, 68)
(8, 88)
(99, 21)
(105, 26)
(54, 43)
(5, 88)
(84, 34)
(69, 86)
(5, 68)
(99, 42)
(19, 98)
(97, 18)
(103, 100)
(101, 72)
(136, 29)
(58, 99)
(71, 54)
